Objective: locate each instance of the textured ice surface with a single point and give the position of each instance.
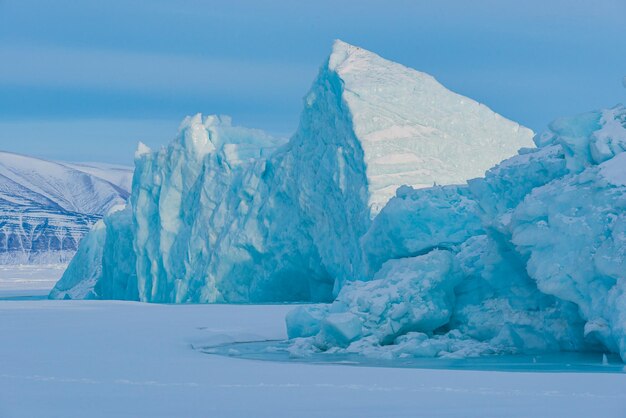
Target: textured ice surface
(535, 258)
(226, 213)
(83, 281)
(413, 130)
(442, 216)
(573, 231)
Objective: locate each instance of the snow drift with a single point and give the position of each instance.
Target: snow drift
(229, 214)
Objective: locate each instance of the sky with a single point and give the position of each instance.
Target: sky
(86, 80)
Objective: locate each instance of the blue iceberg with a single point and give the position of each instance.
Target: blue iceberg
(530, 258)
(380, 206)
(231, 214)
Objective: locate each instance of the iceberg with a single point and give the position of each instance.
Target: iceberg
(529, 258)
(379, 205)
(230, 214)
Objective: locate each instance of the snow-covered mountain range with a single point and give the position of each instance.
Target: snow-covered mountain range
(47, 207)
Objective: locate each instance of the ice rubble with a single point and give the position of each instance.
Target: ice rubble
(229, 214)
(543, 270)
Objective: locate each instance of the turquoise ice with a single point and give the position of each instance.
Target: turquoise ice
(531, 258)
(380, 204)
(230, 214)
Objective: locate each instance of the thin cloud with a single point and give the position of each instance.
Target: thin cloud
(38, 66)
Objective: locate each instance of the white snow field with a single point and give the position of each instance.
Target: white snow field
(118, 175)
(29, 281)
(126, 359)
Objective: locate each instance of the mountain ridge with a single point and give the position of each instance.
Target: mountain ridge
(46, 207)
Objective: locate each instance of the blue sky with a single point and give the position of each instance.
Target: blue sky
(85, 80)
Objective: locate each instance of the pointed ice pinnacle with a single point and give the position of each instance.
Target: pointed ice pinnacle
(142, 149)
(413, 130)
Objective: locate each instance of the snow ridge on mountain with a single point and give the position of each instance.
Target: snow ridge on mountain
(46, 207)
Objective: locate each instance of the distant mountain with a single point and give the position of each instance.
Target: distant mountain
(46, 207)
(118, 175)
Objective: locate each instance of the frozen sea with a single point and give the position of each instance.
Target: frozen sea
(123, 359)
(28, 281)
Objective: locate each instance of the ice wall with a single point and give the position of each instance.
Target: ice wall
(531, 258)
(229, 214)
(414, 131)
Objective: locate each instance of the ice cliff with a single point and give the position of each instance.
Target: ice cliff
(529, 258)
(229, 214)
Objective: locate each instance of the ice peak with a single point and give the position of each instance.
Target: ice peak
(142, 149)
(339, 45)
(344, 52)
(217, 120)
(412, 129)
(194, 136)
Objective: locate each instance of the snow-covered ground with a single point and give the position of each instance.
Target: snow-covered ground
(28, 280)
(125, 359)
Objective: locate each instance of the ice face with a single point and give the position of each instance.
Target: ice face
(442, 216)
(189, 201)
(535, 258)
(573, 232)
(229, 214)
(411, 129)
(90, 277)
(590, 138)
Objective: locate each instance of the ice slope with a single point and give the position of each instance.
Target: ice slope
(414, 131)
(223, 214)
(54, 183)
(47, 207)
(530, 258)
